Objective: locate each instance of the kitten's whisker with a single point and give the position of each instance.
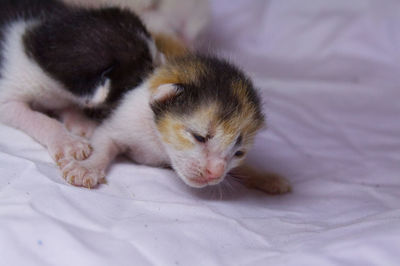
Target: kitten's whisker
(229, 185)
(213, 193)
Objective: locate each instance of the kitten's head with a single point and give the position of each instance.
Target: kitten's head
(207, 113)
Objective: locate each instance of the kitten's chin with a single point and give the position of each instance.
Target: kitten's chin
(195, 183)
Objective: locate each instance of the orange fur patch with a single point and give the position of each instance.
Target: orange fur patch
(186, 72)
(172, 132)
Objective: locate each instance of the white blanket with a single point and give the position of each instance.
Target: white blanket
(329, 73)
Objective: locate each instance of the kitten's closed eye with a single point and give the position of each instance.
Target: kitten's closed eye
(199, 138)
(239, 154)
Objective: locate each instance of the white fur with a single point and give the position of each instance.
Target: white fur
(130, 130)
(141, 136)
(100, 95)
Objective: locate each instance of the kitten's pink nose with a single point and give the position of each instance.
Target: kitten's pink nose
(215, 170)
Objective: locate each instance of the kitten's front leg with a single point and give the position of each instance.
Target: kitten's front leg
(268, 182)
(46, 130)
(90, 172)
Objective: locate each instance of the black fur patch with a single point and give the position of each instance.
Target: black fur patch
(213, 83)
(82, 47)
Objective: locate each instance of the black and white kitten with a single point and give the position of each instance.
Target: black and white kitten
(62, 59)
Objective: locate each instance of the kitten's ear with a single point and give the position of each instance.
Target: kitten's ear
(165, 92)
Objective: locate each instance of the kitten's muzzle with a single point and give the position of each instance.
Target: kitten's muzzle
(214, 170)
(213, 174)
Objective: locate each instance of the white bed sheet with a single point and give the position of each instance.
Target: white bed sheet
(329, 74)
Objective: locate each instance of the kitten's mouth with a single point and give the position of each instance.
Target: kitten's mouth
(202, 182)
(198, 181)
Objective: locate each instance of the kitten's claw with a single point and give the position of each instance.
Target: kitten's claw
(76, 148)
(77, 174)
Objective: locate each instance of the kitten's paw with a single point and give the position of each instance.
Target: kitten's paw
(76, 148)
(77, 174)
(270, 183)
(273, 184)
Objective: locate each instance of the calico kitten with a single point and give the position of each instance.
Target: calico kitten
(61, 59)
(196, 113)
